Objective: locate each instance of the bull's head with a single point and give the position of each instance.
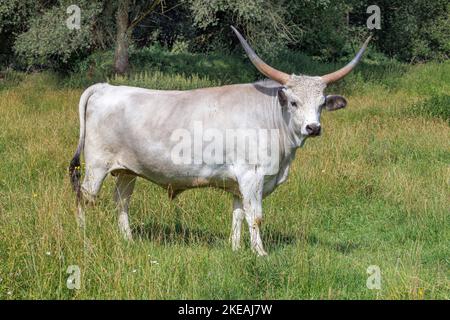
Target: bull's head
(303, 96)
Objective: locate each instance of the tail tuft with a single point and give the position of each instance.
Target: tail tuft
(75, 173)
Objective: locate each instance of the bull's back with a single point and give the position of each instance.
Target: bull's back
(138, 129)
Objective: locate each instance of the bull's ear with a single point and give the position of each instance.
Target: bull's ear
(282, 97)
(335, 102)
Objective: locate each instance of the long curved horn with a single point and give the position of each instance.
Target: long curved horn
(341, 73)
(264, 68)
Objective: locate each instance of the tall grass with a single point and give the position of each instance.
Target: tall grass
(162, 81)
(373, 190)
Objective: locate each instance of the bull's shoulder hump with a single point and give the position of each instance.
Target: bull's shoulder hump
(266, 87)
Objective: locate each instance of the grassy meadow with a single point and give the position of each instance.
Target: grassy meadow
(372, 190)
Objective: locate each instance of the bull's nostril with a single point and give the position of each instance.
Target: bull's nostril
(313, 129)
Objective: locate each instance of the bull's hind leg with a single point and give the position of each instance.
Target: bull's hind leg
(92, 183)
(238, 217)
(124, 189)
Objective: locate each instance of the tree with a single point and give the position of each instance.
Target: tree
(124, 32)
(121, 60)
(14, 17)
(267, 23)
(48, 42)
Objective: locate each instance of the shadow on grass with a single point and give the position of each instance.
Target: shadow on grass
(273, 240)
(179, 233)
(344, 247)
(176, 234)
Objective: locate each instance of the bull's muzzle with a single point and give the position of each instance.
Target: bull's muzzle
(313, 129)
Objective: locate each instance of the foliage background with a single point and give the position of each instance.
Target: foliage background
(34, 35)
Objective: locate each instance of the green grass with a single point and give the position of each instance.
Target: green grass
(372, 190)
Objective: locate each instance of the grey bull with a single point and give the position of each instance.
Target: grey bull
(133, 132)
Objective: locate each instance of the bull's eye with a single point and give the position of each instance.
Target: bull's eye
(294, 104)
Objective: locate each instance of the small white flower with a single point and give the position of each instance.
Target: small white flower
(134, 270)
(152, 261)
(48, 253)
(9, 293)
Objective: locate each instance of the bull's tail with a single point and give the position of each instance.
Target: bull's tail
(75, 172)
(75, 163)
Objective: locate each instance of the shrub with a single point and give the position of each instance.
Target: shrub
(438, 106)
(10, 78)
(50, 43)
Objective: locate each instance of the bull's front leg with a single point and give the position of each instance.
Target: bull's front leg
(251, 186)
(238, 217)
